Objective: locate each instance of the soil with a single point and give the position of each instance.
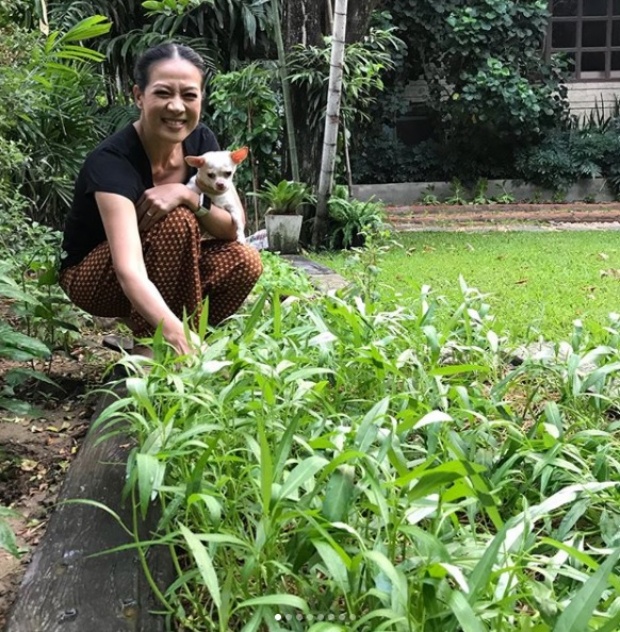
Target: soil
(36, 449)
(506, 216)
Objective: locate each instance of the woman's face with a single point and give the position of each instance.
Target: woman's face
(170, 104)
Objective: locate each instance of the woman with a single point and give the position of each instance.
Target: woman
(133, 244)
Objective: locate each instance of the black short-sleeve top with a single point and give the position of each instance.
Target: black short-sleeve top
(118, 165)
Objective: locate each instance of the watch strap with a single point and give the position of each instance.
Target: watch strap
(204, 206)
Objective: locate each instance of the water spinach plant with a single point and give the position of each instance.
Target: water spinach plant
(334, 463)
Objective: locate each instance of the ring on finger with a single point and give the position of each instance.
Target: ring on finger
(149, 214)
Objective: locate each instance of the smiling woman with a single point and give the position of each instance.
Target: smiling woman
(135, 243)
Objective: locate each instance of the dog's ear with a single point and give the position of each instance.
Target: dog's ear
(195, 161)
(239, 155)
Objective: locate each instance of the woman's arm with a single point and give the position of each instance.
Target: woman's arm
(155, 203)
(119, 220)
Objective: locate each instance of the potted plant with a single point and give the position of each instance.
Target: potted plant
(282, 218)
(351, 217)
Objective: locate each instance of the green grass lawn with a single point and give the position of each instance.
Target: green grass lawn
(536, 281)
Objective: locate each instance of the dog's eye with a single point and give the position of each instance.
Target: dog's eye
(211, 175)
(227, 174)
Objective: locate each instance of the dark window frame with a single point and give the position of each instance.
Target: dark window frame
(578, 73)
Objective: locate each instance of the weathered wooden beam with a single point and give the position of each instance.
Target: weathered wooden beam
(65, 589)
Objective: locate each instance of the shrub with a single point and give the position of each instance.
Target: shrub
(48, 90)
(563, 157)
(246, 112)
(351, 218)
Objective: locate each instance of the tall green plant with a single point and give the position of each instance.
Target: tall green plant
(331, 455)
(364, 64)
(245, 111)
(47, 114)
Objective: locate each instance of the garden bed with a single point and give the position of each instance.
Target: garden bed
(43, 446)
(36, 450)
(420, 216)
(33, 477)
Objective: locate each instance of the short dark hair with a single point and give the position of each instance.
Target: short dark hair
(161, 52)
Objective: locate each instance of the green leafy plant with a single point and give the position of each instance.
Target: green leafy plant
(430, 197)
(355, 457)
(8, 541)
(281, 277)
(487, 91)
(30, 281)
(564, 157)
(352, 218)
(47, 115)
(559, 196)
(365, 63)
(20, 348)
(245, 112)
(481, 191)
(285, 198)
(458, 193)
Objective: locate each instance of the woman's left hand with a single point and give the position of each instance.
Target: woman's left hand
(156, 203)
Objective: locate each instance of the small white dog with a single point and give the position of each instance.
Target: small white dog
(215, 178)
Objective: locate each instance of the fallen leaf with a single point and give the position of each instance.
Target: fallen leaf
(614, 273)
(28, 466)
(603, 256)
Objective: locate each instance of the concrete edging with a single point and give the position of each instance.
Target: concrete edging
(410, 193)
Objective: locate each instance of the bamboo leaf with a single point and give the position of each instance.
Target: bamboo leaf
(334, 564)
(480, 576)
(339, 493)
(576, 617)
(204, 563)
(275, 600)
(463, 612)
(301, 473)
(150, 475)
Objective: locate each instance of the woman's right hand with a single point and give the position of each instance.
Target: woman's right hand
(177, 338)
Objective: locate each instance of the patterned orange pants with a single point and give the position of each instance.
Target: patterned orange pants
(183, 266)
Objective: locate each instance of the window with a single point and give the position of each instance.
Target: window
(588, 32)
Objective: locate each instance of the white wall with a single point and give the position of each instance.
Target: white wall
(584, 96)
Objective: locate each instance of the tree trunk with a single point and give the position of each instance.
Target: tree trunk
(332, 123)
(303, 22)
(286, 91)
(359, 16)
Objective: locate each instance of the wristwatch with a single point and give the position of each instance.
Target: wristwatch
(204, 206)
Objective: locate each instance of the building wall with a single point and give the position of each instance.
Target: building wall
(587, 95)
(584, 97)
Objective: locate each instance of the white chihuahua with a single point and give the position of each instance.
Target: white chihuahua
(215, 178)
